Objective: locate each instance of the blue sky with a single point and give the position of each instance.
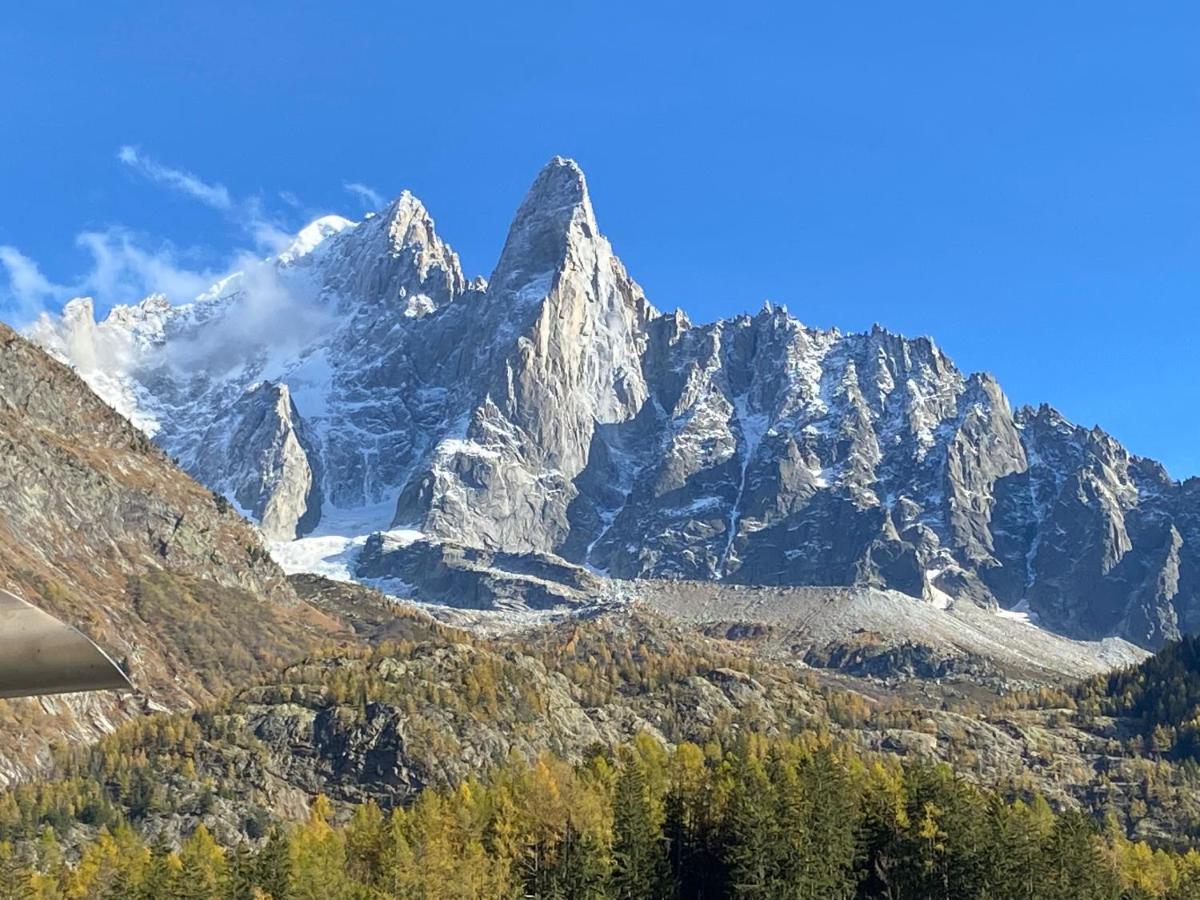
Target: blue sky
(1019, 180)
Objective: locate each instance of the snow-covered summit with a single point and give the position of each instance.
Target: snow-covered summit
(312, 236)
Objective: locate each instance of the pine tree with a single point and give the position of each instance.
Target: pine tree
(275, 866)
(639, 858)
(695, 865)
(1077, 869)
(581, 869)
(753, 841)
(884, 820)
(14, 876)
(1017, 834)
(242, 879)
(318, 856)
(49, 853)
(161, 871)
(832, 812)
(202, 867)
(397, 861)
(364, 843)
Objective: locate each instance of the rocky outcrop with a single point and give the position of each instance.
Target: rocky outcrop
(560, 334)
(1087, 535)
(475, 578)
(268, 462)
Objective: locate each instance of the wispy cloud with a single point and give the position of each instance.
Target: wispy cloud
(248, 213)
(124, 268)
(370, 197)
(214, 195)
(28, 290)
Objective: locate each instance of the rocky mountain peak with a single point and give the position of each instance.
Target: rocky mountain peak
(409, 222)
(396, 257)
(312, 236)
(555, 216)
(1044, 416)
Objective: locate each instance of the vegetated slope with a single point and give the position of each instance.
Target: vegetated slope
(98, 527)
(439, 707)
(1161, 694)
(761, 817)
(553, 409)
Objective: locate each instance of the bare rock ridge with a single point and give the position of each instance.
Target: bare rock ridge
(275, 471)
(552, 410)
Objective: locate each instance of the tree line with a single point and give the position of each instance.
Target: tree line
(796, 817)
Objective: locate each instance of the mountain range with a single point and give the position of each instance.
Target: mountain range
(383, 416)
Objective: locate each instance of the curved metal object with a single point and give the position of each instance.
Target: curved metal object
(41, 655)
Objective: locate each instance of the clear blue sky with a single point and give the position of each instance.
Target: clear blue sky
(1019, 180)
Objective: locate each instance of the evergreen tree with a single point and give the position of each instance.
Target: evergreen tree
(1076, 869)
(202, 873)
(318, 857)
(690, 809)
(242, 878)
(274, 870)
(14, 876)
(397, 859)
(753, 839)
(639, 858)
(832, 811)
(779, 818)
(581, 868)
(365, 838)
(161, 871)
(883, 823)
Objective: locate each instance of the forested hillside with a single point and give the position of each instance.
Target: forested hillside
(611, 755)
(763, 818)
(1161, 694)
(100, 528)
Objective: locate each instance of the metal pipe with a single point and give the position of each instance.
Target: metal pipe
(41, 655)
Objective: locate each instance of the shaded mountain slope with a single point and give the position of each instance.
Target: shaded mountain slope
(102, 530)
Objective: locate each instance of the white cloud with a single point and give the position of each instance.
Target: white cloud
(249, 213)
(268, 311)
(125, 266)
(214, 195)
(124, 270)
(370, 197)
(28, 291)
(269, 234)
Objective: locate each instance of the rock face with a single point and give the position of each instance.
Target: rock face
(267, 462)
(560, 336)
(474, 578)
(553, 410)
